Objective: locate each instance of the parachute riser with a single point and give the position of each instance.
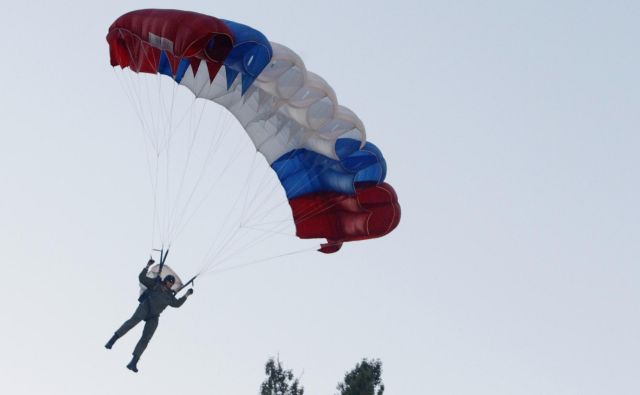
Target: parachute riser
(163, 259)
(187, 283)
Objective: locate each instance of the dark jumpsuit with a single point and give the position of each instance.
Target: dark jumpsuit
(149, 310)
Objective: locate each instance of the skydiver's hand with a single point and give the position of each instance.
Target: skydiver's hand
(151, 262)
(190, 292)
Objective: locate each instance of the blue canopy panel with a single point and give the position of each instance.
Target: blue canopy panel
(251, 53)
(302, 171)
(164, 67)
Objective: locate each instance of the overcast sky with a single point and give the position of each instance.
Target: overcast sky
(511, 132)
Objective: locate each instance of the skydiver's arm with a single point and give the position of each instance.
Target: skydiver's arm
(180, 301)
(144, 280)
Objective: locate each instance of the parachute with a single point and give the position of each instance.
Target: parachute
(333, 178)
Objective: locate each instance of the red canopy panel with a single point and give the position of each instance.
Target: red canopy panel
(372, 212)
(137, 38)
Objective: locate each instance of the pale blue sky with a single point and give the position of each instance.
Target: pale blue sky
(511, 132)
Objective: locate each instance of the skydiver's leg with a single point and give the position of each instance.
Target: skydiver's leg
(137, 316)
(149, 329)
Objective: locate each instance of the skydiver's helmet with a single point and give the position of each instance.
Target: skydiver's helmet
(169, 280)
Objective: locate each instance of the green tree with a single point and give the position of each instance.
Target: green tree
(279, 381)
(364, 379)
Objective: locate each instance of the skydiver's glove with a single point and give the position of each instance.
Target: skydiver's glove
(151, 262)
(190, 291)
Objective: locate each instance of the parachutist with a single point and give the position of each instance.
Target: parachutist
(156, 298)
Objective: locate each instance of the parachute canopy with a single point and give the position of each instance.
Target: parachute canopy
(333, 177)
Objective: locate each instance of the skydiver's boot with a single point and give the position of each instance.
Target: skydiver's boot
(133, 364)
(111, 341)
